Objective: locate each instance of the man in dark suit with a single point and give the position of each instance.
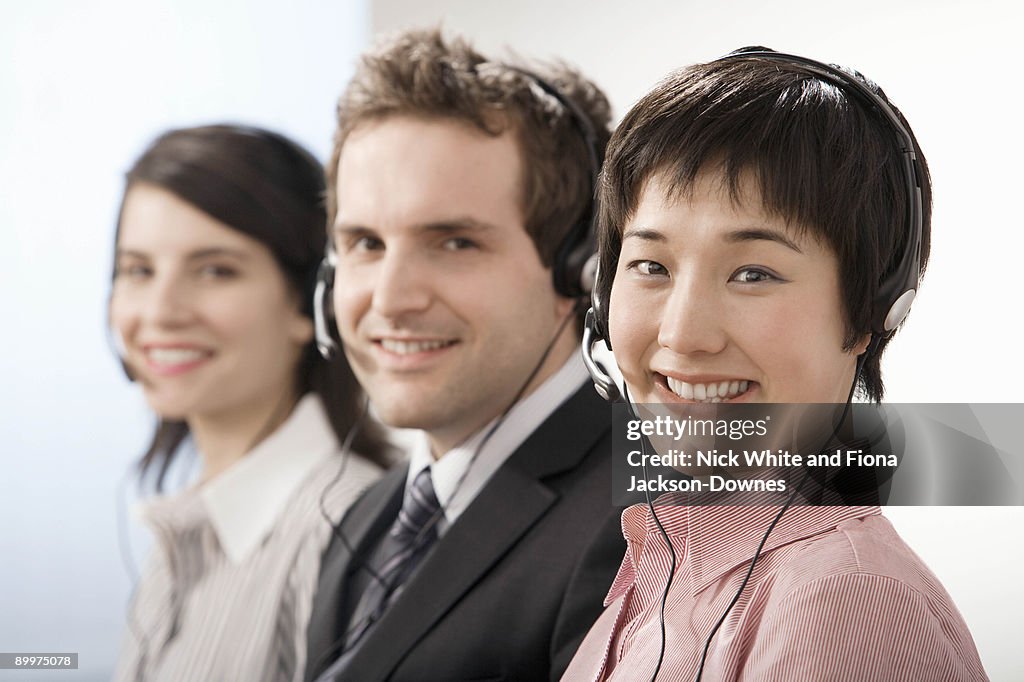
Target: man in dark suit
(460, 204)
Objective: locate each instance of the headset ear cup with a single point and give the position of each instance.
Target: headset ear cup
(324, 323)
(604, 384)
(599, 306)
(588, 274)
(576, 262)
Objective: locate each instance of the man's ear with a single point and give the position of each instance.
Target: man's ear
(563, 306)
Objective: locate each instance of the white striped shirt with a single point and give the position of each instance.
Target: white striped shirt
(835, 595)
(228, 589)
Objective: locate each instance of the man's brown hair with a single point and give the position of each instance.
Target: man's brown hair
(419, 73)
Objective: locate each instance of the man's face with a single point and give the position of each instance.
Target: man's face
(441, 299)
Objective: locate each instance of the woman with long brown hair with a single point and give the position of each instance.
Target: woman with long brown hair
(219, 237)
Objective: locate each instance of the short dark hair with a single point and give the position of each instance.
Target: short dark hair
(270, 189)
(824, 162)
(421, 74)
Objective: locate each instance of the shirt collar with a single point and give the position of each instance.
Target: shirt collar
(722, 538)
(716, 539)
(455, 493)
(244, 502)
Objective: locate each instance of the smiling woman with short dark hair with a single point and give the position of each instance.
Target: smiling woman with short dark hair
(764, 222)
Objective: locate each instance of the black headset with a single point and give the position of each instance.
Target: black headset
(896, 291)
(574, 269)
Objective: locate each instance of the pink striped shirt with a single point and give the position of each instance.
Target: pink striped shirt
(836, 595)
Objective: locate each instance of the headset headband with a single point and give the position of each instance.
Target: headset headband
(574, 262)
(896, 291)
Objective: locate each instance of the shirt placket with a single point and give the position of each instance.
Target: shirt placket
(650, 594)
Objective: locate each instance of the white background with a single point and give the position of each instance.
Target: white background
(85, 86)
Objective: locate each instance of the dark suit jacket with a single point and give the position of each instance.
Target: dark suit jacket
(515, 583)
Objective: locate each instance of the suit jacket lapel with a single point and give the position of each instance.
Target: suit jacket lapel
(487, 527)
(449, 571)
(366, 521)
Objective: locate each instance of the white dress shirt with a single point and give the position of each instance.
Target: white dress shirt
(521, 421)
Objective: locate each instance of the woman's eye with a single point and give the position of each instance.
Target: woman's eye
(218, 271)
(754, 276)
(133, 271)
(648, 267)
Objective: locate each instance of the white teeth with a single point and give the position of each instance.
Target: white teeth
(680, 388)
(711, 393)
(409, 347)
(174, 356)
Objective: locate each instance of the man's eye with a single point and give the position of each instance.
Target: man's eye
(366, 243)
(754, 276)
(648, 267)
(458, 244)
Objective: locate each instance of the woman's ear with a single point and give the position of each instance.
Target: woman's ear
(862, 344)
(301, 329)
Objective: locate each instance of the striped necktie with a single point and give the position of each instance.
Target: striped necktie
(410, 536)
